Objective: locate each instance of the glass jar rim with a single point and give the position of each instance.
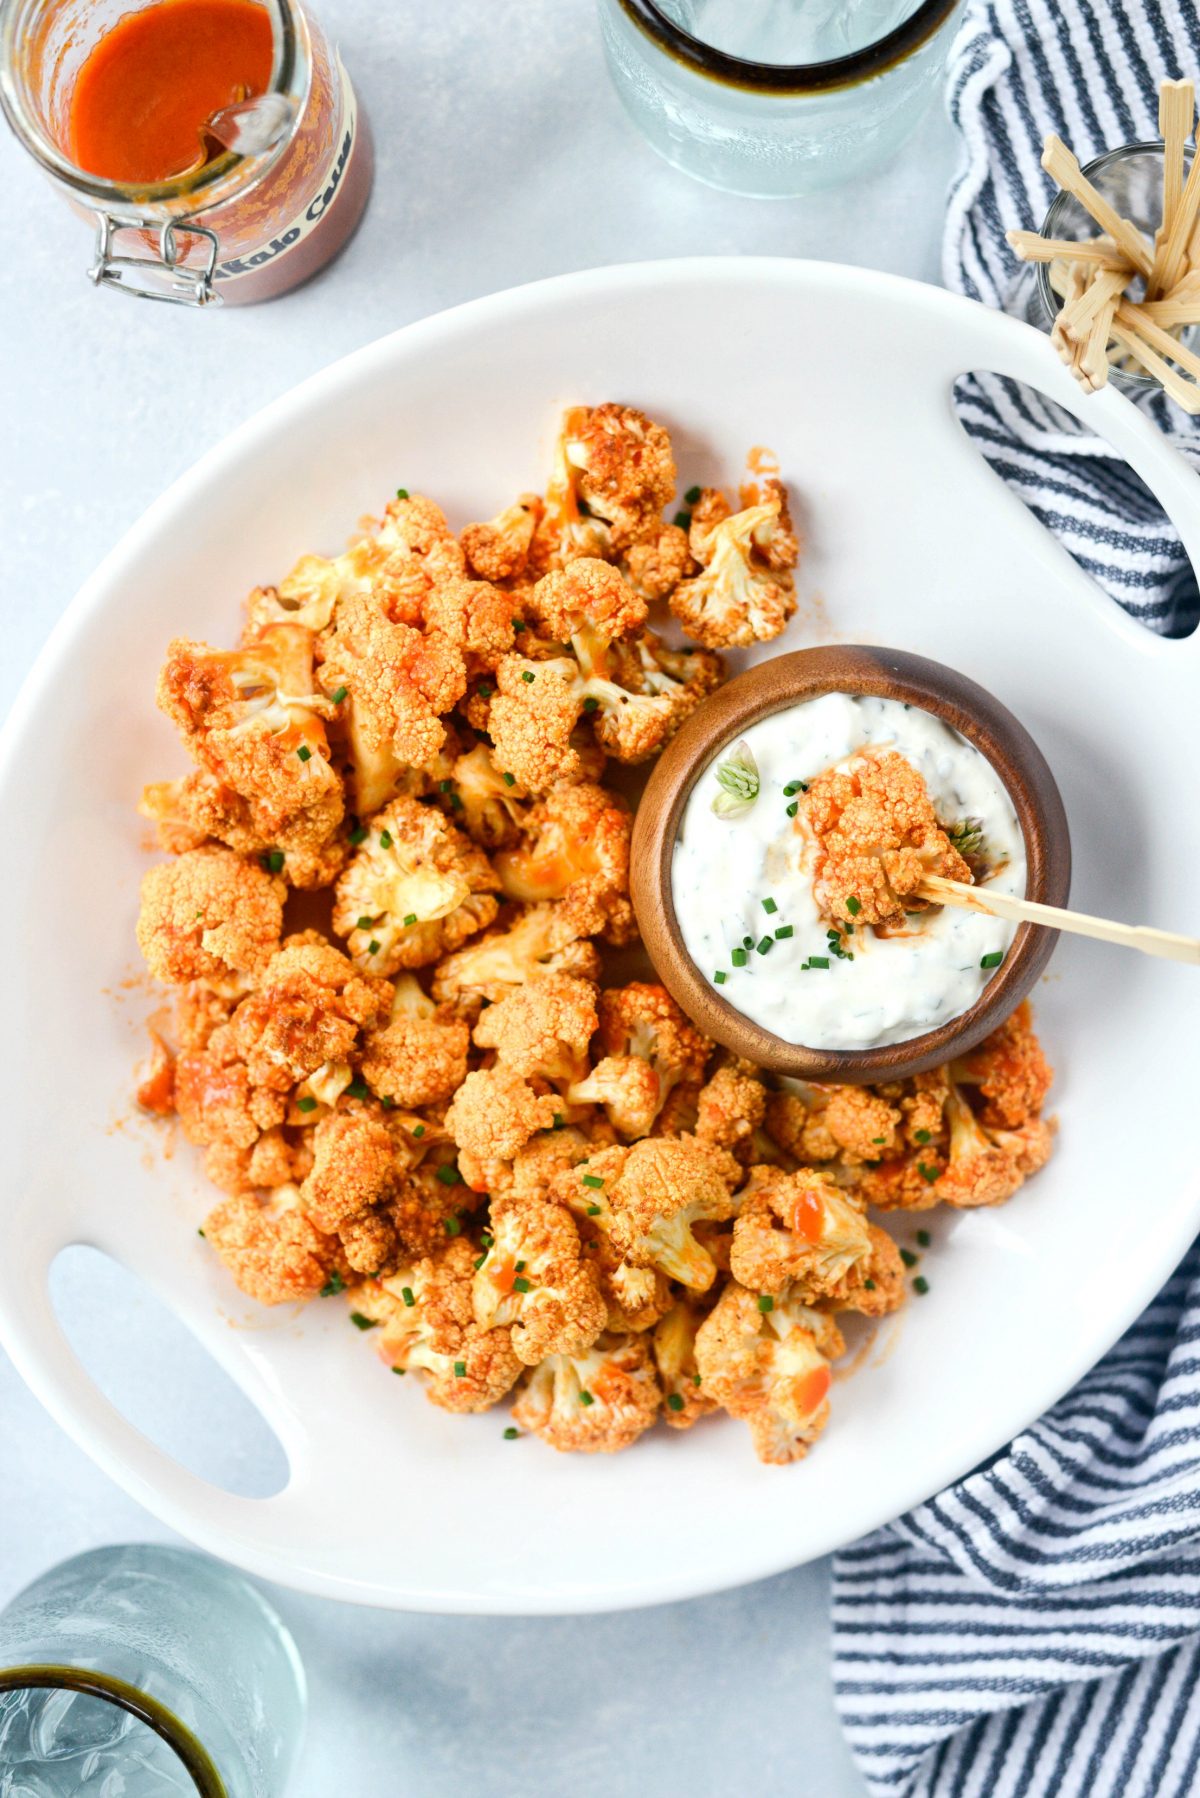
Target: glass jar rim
(192, 1756)
(288, 61)
(893, 47)
(1051, 304)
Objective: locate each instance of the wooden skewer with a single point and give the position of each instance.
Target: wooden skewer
(1185, 393)
(1173, 310)
(1061, 166)
(1163, 943)
(1031, 246)
(1135, 319)
(1168, 263)
(1176, 113)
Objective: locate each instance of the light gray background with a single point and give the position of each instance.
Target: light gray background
(503, 156)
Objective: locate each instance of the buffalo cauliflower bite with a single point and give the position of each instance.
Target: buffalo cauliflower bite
(536, 1167)
(542, 1030)
(414, 889)
(426, 1325)
(769, 1367)
(1009, 1070)
(596, 1402)
(877, 837)
(398, 681)
(627, 1088)
(651, 1194)
(544, 939)
(745, 592)
(588, 605)
(353, 1169)
(419, 1056)
(393, 562)
(217, 1102)
(636, 1296)
(641, 1020)
(250, 717)
(196, 806)
(978, 1170)
(274, 1252)
(576, 841)
(656, 565)
(731, 1106)
(863, 1126)
(675, 1357)
(307, 1010)
(209, 915)
(499, 550)
(475, 616)
(534, 1279)
(796, 1229)
(491, 806)
(532, 719)
(875, 1285)
(495, 1112)
(625, 472)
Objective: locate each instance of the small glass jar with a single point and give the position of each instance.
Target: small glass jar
(1130, 178)
(760, 122)
(238, 229)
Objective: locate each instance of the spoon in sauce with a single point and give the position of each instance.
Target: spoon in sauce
(249, 126)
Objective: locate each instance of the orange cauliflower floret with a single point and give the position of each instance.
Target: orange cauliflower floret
(744, 592)
(641, 1024)
(499, 550)
(651, 1194)
(495, 1112)
(209, 915)
(426, 1326)
(535, 1279)
(397, 682)
(251, 718)
(769, 1366)
(273, 1251)
(656, 565)
(596, 1402)
(1010, 1071)
(491, 806)
(731, 1105)
(588, 605)
(629, 1090)
(307, 1010)
(864, 1126)
(394, 563)
(542, 1030)
(577, 843)
(197, 806)
(797, 1229)
(420, 1055)
(636, 1296)
(675, 1357)
(623, 468)
(353, 1169)
(545, 939)
(476, 617)
(877, 838)
(415, 888)
(218, 1103)
(874, 1285)
(978, 1170)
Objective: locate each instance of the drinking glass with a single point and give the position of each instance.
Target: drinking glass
(146, 1671)
(774, 98)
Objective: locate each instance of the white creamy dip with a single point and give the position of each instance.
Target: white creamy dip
(724, 868)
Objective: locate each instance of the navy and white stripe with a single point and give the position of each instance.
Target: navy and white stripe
(1034, 1631)
(1088, 69)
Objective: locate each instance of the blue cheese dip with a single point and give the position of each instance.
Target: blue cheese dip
(743, 885)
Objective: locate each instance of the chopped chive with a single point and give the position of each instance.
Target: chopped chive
(510, 780)
(486, 1240)
(585, 1398)
(445, 786)
(591, 703)
(385, 839)
(929, 1173)
(362, 1323)
(765, 1303)
(921, 1285)
(511, 1435)
(387, 1103)
(521, 1285)
(921, 1136)
(594, 1210)
(304, 752)
(556, 1123)
(419, 1131)
(692, 495)
(527, 675)
(338, 697)
(594, 1181)
(402, 493)
(334, 1283)
(406, 1293)
(448, 1174)
(520, 1267)
(695, 1379)
(993, 960)
(793, 808)
(275, 860)
(479, 1260)
(400, 1370)
(374, 946)
(410, 919)
(869, 1285)
(908, 1258)
(720, 977)
(201, 1233)
(785, 930)
(358, 1089)
(451, 1226)
(853, 906)
(878, 1139)
(747, 942)
(818, 961)
(683, 520)
(924, 1238)
(358, 834)
(738, 958)
(364, 923)
(769, 905)
(306, 1104)
(765, 943)
(460, 1370)
(518, 624)
(484, 690)
(674, 1401)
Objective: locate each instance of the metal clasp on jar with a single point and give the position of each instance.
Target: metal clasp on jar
(160, 277)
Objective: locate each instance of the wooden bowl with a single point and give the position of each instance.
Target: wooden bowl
(887, 674)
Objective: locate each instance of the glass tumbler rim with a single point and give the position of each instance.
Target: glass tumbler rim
(195, 189)
(894, 47)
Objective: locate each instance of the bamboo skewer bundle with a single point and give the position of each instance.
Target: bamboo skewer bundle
(1124, 298)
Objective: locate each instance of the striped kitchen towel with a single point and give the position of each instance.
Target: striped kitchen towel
(1090, 70)
(1034, 1631)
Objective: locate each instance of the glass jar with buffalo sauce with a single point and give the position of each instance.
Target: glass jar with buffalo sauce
(111, 98)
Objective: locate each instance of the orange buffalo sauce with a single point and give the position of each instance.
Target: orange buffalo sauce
(150, 82)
